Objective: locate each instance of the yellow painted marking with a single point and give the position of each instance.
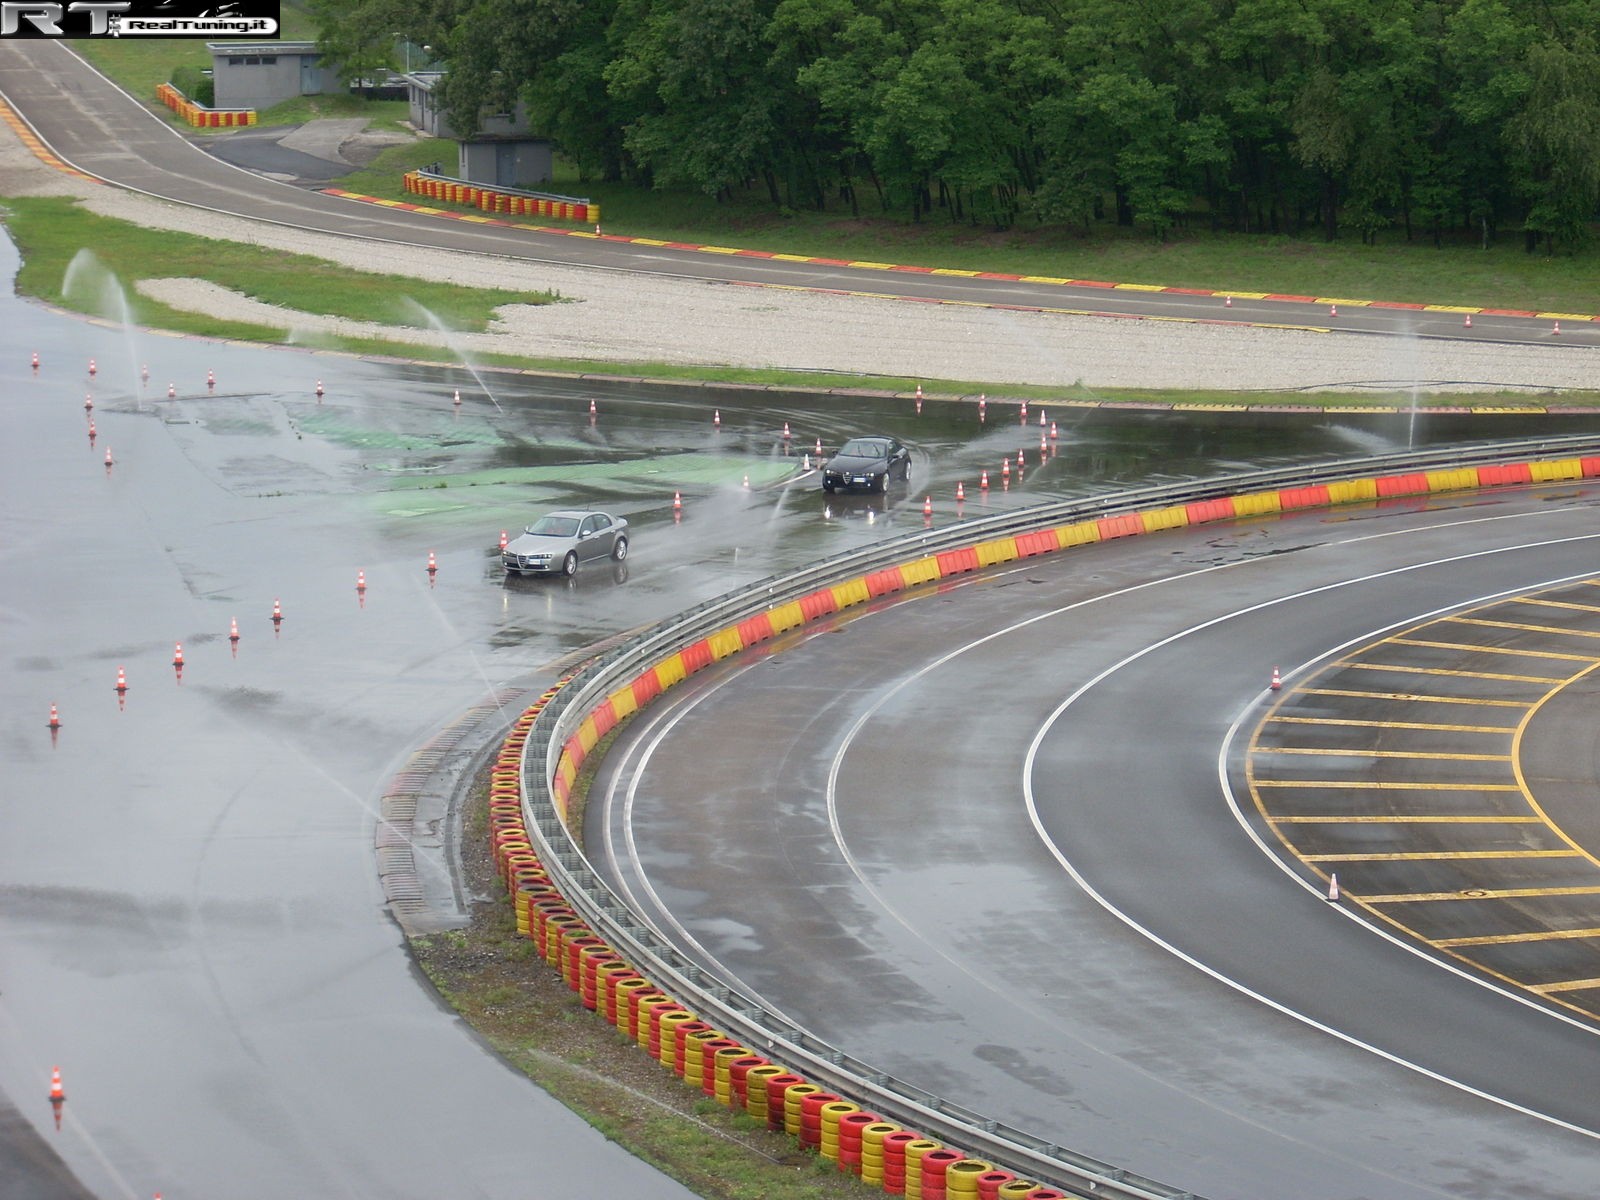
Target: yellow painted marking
(1557, 629)
(1500, 939)
(1141, 287)
(1395, 785)
(1402, 819)
(1392, 724)
(956, 273)
(1552, 316)
(1481, 894)
(641, 241)
(1559, 604)
(1454, 308)
(1513, 651)
(717, 249)
(1365, 753)
(1348, 303)
(791, 257)
(1409, 670)
(1045, 279)
(873, 266)
(1246, 295)
(1440, 855)
(1571, 985)
(1416, 697)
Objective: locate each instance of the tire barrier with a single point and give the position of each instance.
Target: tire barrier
(510, 202)
(200, 116)
(642, 976)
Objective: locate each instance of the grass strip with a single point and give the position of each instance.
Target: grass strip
(50, 232)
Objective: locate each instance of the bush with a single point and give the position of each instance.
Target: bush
(195, 83)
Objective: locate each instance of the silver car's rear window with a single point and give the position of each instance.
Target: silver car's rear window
(554, 527)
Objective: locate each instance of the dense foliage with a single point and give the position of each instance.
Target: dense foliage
(1430, 115)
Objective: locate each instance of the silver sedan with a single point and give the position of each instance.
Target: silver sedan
(556, 543)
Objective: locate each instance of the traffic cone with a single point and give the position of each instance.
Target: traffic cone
(122, 680)
(1467, 324)
(1053, 434)
(277, 611)
(56, 1094)
(433, 566)
(502, 541)
(144, 373)
(677, 501)
(319, 389)
(456, 398)
(819, 449)
(1041, 418)
(983, 407)
(1024, 410)
(919, 393)
(172, 391)
(211, 380)
(747, 482)
(91, 431)
(592, 409)
(1333, 310)
(1022, 458)
(88, 402)
(108, 456)
(983, 481)
(361, 581)
(1333, 887)
(919, 402)
(1557, 330)
(1277, 680)
(786, 431)
(716, 418)
(805, 461)
(92, 368)
(961, 492)
(35, 360)
(1044, 446)
(1005, 467)
(233, 630)
(927, 511)
(177, 655)
(55, 719)
(1228, 302)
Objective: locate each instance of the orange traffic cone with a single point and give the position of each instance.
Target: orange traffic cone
(983, 481)
(92, 367)
(35, 360)
(1053, 434)
(927, 511)
(716, 417)
(1333, 887)
(961, 492)
(108, 456)
(361, 581)
(122, 681)
(1557, 330)
(172, 390)
(88, 402)
(1333, 310)
(502, 541)
(456, 398)
(55, 718)
(592, 409)
(432, 565)
(177, 656)
(1228, 303)
(1467, 324)
(983, 407)
(277, 611)
(1277, 680)
(747, 482)
(233, 630)
(56, 1094)
(677, 501)
(319, 389)
(211, 380)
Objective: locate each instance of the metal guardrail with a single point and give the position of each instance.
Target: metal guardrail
(745, 1017)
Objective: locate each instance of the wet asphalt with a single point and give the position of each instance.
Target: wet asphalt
(190, 921)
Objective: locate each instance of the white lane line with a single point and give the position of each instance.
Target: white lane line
(1066, 864)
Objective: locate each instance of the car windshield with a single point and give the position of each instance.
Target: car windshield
(862, 448)
(554, 527)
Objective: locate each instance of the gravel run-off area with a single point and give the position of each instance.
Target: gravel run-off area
(617, 317)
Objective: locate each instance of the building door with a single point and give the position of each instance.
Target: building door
(310, 84)
(505, 164)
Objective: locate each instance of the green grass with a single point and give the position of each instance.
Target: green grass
(50, 232)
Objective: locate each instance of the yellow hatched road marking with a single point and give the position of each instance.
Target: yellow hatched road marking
(1393, 724)
(1559, 603)
(1545, 680)
(1513, 651)
(1417, 697)
(1441, 855)
(1498, 939)
(1571, 985)
(1359, 753)
(1401, 819)
(1481, 894)
(1396, 785)
(1588, 633)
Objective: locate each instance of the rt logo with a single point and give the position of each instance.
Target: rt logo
(45, 18)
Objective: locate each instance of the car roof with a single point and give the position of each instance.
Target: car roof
(577, 514)
(870, 437)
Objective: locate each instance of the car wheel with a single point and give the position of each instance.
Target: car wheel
(569, 565)
(827, 487)
(620, 550)
(883, 484)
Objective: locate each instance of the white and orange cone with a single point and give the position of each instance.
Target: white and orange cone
(1277, 680)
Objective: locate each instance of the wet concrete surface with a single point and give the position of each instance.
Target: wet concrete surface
(190, 920)
(864, 855)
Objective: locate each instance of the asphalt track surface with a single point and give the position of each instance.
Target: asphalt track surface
(981, 838)
(101, 130)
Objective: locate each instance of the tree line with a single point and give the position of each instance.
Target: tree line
(1354, 116)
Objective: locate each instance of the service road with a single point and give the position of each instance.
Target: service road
(982, 837)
